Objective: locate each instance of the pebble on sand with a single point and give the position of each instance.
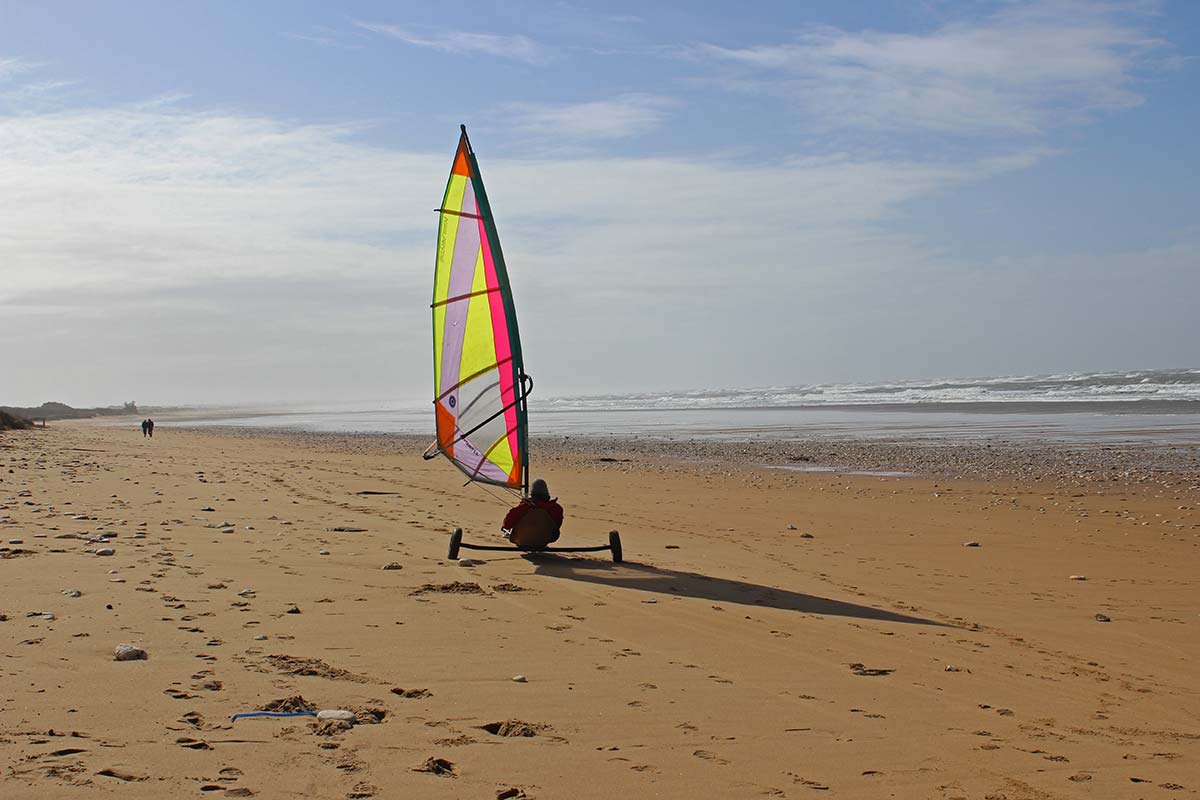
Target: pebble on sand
(392, 565)
(127, 652)
(1078, 577)
(970, 544)
(337, 713)
(468, 562)
(72, 593)
(105, 551)
(520, 679)
(324, 552)
(1102, 618)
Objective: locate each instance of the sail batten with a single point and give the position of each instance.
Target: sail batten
(458, 213)
(450, 300)
(479, 378)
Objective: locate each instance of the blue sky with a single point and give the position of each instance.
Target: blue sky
(231, 201)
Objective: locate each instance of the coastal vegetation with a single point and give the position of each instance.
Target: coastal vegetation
(53, 410)
(10, 422)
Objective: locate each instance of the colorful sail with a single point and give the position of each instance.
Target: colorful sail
(478, 375)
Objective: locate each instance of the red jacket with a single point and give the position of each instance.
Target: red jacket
(514, 515)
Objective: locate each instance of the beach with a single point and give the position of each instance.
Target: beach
(970, 621)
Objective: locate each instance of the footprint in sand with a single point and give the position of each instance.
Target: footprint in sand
(122, 775)
(515, 728)
(239, 792)
(437, 766)
(708, 755)
(68, 751)
(193, 744)
(808, 784)
(194, 719)
(455, 741)
(860, 669)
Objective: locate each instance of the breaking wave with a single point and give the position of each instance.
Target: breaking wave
(1164, 386)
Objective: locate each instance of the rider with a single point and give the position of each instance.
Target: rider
(539, 497)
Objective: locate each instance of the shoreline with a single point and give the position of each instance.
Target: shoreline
(1066, 464)
(998, 407)
(920, 426)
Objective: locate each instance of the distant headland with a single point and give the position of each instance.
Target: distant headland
(17, 417)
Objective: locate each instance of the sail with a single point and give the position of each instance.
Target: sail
(478, 375)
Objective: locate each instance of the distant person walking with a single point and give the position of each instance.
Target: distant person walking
(150, 427)
(145, 428)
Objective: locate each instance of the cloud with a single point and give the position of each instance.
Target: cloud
(515, 47)
(39, 91)
(13, 66)
(152, 195)
(290, 260)
(621, 117)
(323, 36)
(1031, 66)
(28, 96)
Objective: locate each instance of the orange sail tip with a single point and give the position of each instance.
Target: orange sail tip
(461, 165)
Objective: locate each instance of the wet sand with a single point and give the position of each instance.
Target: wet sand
(775, 634)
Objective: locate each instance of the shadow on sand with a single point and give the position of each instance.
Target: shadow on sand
(718, 590)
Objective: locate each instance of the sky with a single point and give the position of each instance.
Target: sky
(230, 202)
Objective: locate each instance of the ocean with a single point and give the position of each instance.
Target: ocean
(1140, 406)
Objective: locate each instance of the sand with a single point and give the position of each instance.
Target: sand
(774, 634)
